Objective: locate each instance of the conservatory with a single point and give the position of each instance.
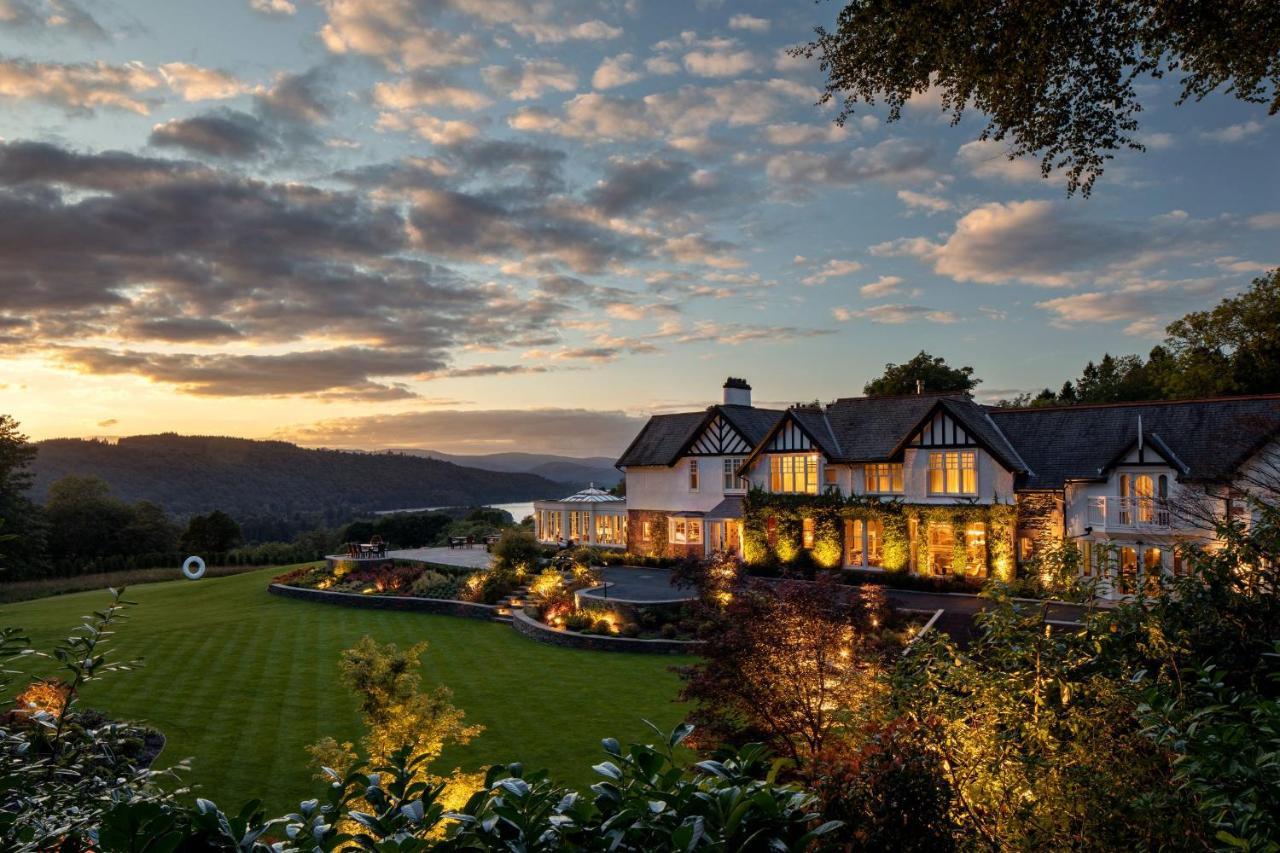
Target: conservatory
(590, 517)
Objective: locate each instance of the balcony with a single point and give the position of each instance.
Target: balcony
(1128, 514)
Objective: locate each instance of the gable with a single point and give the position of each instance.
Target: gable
(790, 438)
(943, 431)
(719, 439)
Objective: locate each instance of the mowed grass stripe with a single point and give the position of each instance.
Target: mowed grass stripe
(241, 682)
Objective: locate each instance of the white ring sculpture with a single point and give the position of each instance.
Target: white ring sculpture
(193, 568)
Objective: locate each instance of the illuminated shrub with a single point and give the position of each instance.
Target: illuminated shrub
(49, 696)
(897, 542)
(789, 532)
(548, 584)
(828, 541)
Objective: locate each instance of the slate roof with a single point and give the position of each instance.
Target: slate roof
(1210, 438)
(1204, 439)
(665, 437)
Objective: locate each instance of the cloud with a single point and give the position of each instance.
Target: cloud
(171, 252)
(544, 33)
(194, 83)
(435, 130)
(426, 89)
(1232, 133)
(987, 158)
(1051, 245)
(1265, 220)
(400, 34)
(59, 15)
(615, 71)
(273, 7)
(687, 111)
(659, 184)
(719, 63)
(1145, 307)
(531, 79)
(792, 134)
(924, 201)
(574, 432)
(747, 22)
(283, 117)
(833, 268)
(885, 285)
(81, 87)
(892, 159)
(109, 422)
(227, 133)
(895, 315)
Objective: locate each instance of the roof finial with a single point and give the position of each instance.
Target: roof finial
(919, 386)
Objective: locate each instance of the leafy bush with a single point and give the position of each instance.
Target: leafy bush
(431, 584)
(580, 621)
(516, 549)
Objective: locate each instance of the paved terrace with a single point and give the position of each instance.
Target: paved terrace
(467, 558)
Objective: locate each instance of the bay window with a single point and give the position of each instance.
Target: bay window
(883, 478)
(953, 472)
(686, 531)
(795, 473)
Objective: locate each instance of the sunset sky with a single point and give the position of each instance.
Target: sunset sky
(479, 226)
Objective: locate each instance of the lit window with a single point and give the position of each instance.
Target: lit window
(875, 541)
(975, 546)
(1128, 561)
(853, 542)
(795, 473)
(1151, 562)
(953, 472)
(941, 545)
(807, 526)
(686, 531)
(732, 482)
(883, 478)
(693, 475)
(646, 530)
(1086, 558)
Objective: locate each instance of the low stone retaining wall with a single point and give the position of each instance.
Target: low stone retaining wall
(441, 606)
(535, 630)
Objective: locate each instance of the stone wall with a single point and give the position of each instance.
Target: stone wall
(441, 606)
(655, 545)
(535, 630)
(1039, 519)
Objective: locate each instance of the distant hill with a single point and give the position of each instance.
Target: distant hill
(194, 474)
(572, 470)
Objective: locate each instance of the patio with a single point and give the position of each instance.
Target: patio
(467, 558)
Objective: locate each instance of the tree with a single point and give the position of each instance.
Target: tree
(86, 523)
(215, 533)
(1057, 79)
(785, 664)
(933, 373)
(1234, 348)
(21, 516)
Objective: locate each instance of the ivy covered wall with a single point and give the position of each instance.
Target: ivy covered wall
(773, 531)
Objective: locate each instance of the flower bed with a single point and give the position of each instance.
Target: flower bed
(391, 577)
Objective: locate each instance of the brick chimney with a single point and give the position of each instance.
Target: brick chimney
(737, 392)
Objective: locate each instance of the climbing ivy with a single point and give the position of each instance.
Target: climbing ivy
(830, 510)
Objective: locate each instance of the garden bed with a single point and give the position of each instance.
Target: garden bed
(399, 578)
(441, 606)
(535, 629)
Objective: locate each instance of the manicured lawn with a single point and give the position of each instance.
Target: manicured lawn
(241, 682)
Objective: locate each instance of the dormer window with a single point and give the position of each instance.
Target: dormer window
(795, 473)
(953, 472)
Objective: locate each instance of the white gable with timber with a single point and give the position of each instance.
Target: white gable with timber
(789, 439)
(943, 431)
(720, 439)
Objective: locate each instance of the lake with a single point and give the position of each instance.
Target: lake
(518, 510)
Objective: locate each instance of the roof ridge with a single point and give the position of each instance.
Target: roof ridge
(1242, 398)
(956, 394)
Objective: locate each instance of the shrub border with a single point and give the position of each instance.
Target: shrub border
(529, 627)
(438, 606)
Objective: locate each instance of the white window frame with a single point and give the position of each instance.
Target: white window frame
(804, 464)
(732, 482)
(694, 477)
(685, 531)
(942, 457)
(871, 478)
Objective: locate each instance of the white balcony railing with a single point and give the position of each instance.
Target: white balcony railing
(1133, 513)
